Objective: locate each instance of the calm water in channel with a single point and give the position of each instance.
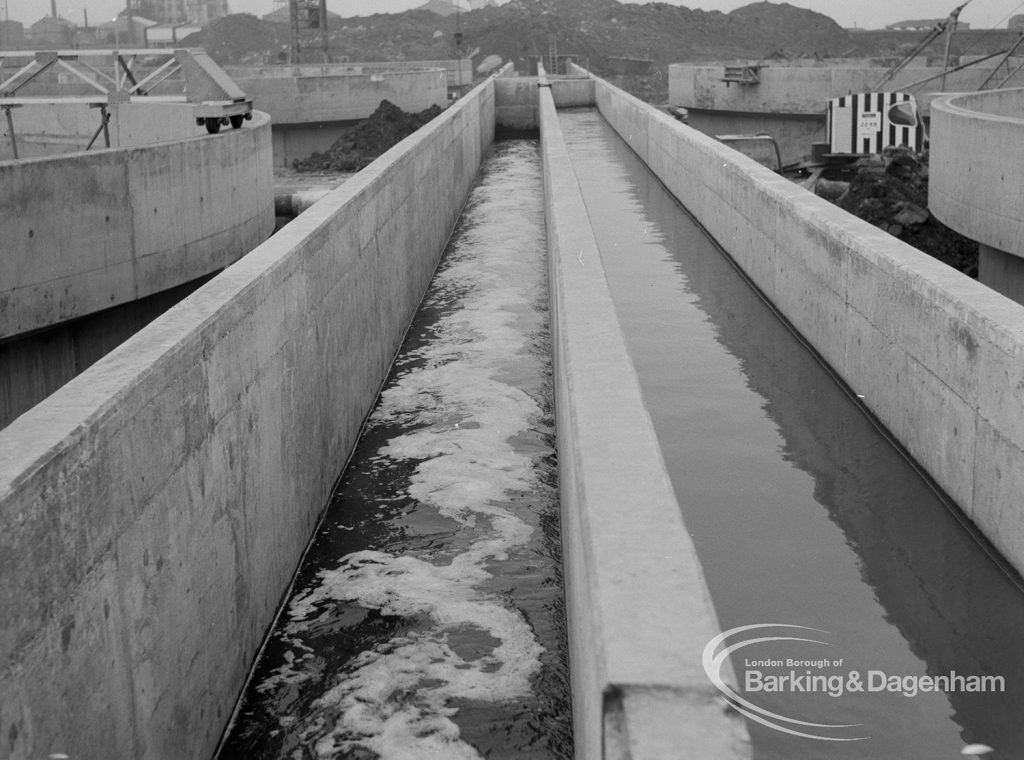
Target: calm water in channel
(802, 512)
(427, 620)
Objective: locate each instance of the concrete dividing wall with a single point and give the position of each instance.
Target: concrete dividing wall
(87, 231)
(638, 610)
(516, 98)
(153, 510)
(938, 357)
(516, 103)
(571, 91)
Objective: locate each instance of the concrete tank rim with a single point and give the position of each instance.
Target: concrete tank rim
(956, 104)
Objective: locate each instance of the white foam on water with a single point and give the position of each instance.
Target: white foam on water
(396, 699)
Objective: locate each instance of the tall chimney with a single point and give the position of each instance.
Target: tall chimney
(53, 8)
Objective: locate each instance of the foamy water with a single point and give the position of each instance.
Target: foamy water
(454, 476)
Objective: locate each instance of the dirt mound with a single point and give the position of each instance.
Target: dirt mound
(595, 31)
(241, 39)
(600, 32)
(357, 147)
(891, 192)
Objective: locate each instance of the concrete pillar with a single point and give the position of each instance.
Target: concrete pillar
(1001, 271)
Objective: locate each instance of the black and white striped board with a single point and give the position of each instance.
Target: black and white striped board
(863, 123)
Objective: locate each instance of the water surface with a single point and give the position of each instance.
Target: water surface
(427, 619)
(802, 511)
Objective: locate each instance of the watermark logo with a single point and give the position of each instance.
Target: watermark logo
(716, 655)
(819, 674)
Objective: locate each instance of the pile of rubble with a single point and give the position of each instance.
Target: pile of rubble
(358, 146)
(891, 192)
(241, 39)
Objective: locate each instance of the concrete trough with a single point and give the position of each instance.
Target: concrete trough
(639, 613)
(936, 356)
(153, 510)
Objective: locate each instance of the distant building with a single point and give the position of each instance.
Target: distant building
(52, 32)
(169, 35)
(1016, 23)
(205, 11)
(119, 33)
(179, 11)
(164, 11)
(88, 36)
(12, 35)
(922, 25)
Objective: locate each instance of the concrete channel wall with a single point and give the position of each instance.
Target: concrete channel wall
(639, 614)
(517, 103)
(153, 510)
(516, 99)
(936, 356)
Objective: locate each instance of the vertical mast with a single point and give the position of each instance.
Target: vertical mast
(951, 24)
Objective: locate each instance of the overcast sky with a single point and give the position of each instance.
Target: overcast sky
(864, 13)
